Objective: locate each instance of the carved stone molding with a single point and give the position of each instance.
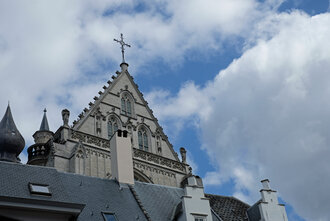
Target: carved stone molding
(98, 113)
(90, 152)
(85, 138)
(145, 167)
(162, 161)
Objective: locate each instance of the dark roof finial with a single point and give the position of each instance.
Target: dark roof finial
(11, 141)
(44, 123)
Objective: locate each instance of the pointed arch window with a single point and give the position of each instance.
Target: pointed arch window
(126, 105)
(143, 139)
(112, 126)
(123, 105)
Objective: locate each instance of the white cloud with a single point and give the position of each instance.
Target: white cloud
(49, 51)
(227, 17)
(266, 113)
(188, 105)
(269, 112)
(192, 163)
(213, 178)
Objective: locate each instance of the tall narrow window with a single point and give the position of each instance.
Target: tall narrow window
(123, 106)
(126, 105)
(112, 126)
(143, 139)
(110, 129)
(115, 127)
(140, 140)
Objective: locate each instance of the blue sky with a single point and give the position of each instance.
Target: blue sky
(241, 84)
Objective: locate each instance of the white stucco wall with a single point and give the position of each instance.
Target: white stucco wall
(270, 209)
(194, 202)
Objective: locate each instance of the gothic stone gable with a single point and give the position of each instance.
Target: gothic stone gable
(120, 106)
(106, 114)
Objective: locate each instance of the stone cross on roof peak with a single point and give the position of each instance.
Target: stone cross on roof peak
(122, 43)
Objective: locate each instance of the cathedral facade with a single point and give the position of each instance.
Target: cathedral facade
(84, 147)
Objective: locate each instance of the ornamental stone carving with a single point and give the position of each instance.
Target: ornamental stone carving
(145, 167)
(183, 153)
(65, 117)
(90, 139)
(150, 157)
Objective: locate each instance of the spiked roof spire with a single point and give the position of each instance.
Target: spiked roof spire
(11, 141)
(44, 123)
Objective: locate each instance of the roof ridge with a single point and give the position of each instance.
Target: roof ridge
(216, 195)
(215, 214)
(232, 197)
(136, 197)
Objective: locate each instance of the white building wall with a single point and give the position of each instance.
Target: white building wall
(270, 209)
(194, 203)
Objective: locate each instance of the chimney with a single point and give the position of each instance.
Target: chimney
(121, 157)
(265, 184)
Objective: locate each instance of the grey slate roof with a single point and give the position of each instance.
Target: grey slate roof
(254, 212)
(98, 195)
(228, 208)
(163, 202)
(159, 201)
(16, 177)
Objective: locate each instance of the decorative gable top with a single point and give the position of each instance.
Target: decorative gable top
(117, 87)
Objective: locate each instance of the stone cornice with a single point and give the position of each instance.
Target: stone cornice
(157, 160)
(90, 139)
(147, 167)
